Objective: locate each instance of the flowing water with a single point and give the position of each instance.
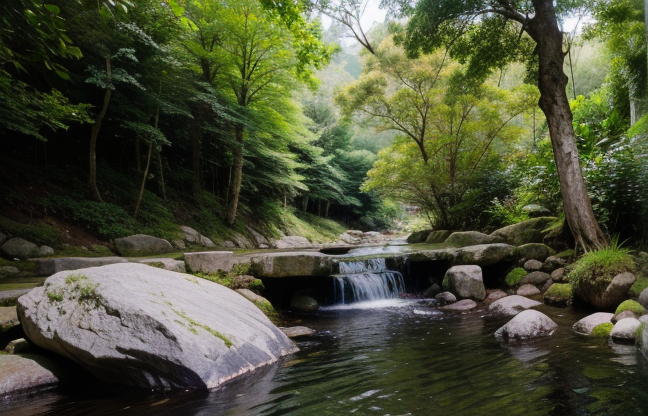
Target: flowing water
(366, 281)
(404, 359)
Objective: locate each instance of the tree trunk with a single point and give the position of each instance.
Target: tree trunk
(146, 170)
(237, 174)
(552, 82)
(94, 133)
(161, 170)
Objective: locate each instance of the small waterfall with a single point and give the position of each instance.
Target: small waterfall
(366, 280)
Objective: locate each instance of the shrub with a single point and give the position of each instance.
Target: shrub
(630, 305)
(599, 267)
(514, 276)
(602, 330)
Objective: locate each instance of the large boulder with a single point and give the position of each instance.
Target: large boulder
(512, 305)
(142, 326)
(438, 236)
(485, 254)
(525, 325)
(297, 264)
(602, 296)
(418, 236)
(525, 232)
(22, 375)
(211, 261)
(142, 245)
(625, 329)
(470, 238)
(20, 248)
(466, 282)
(586, 325)
(535, 251)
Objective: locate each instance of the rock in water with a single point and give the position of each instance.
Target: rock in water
(143, 326)
(465, 282)
(527, 324)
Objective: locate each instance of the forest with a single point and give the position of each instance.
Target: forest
(135, 116)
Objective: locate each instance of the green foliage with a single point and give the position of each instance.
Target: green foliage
(602, 330)
(514, 276)
(630, 305)
(54, 297)
(639, 286)
(600, 266)
(507, 212)
(40, 233)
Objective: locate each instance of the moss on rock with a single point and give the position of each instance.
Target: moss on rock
(630, 305)
(514, 276)
(602, 330)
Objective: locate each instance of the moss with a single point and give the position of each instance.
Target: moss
(269, 311)
(639, 286)
(157, 264)
(565, 254)
(560, 290)
(630, 305)
(54, 296)
(193, 325)
(599, 267)
(514, 276)
(602, 330)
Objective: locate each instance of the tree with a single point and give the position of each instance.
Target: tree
(454, 125)
(483, 32)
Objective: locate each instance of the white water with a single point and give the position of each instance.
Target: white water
(366, 281)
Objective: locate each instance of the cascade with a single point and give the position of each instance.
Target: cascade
(366, 280)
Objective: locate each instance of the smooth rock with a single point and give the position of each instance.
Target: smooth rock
(258, 238)
(432, 291)
(525, 325)
(438, 236)
(228, 244)
(552, 263)
(304, 303)
(460, 306)
(445, 298)
(293, 242)
(535, 278)
(21, 375)
(20, 248)
(535, 210)
(532, 265)
(558, 275)
(470, 238)
(529, 291)
(191, 236)
(525, 232)
(179, 244)
(495, 295)
(625, 329)
(143, 326)
(546, 285)
(206, 242)
(9, 271)
(623, 315)
(512, 305)
(643, 298)
(211, 261)
(606, 298)
(19, 346)
(535, 251)
(586, 325)
(142, 245)
(8, 317)
(297, 331)
(167, 264)
(45, 251)
(418, 236)
(47, 267)
(242, 241)
(251, 296)
(295, 264)
(465, 282)
(485, 254)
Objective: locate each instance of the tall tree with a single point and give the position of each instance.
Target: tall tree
(484, 33)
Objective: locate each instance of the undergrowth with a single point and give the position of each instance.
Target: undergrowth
(600, 266)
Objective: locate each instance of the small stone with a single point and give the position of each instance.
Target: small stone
(206, 242)
(432, 291)
(529, 291)
(179, 244)
(625, 329)
(558, 275)
(587, 324)
(546, 286)
(45, 251)
(494, 295)
(623, 315)
(297, 331)
(527, 324)
(445, 298)
(512, 305)
(535, 278)
(532, 265)
(303, 303)
(465, 282)
(462, 305)
(552, 263)
(228, 244)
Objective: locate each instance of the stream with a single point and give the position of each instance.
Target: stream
(400, 357)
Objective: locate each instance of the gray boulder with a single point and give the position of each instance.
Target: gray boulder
(303, 303)
(460, 306)
(625, 329)
(418, 236)
(512, 305)
(529, 291)
(9, 271)
(470, 238)
(494, 295)
(297, 331)
(47, 267)
(258, 238)
(206, 242)
(211, 261)
(485, 254)
(530, 231)
(22, 375)
(166, 264)
(586, 325)
(535, 251)
(45, 251)
(191, 236)
(552, 263)
(532, 265)
(465, 282)
(20, 248)
(292, 242)
(445, 298)
(535, 278)
(643, 298)
(525, 325)
(142, 245)
(292, 265)
(623, 315)
(535, 210)
(605, 297)
(432, 291)
(242, 241)
(142, 326)
(437, 237)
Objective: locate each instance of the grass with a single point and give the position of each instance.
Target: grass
(514, 276)
(599, 267)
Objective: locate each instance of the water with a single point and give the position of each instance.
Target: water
(405, 360)
(366, 281)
